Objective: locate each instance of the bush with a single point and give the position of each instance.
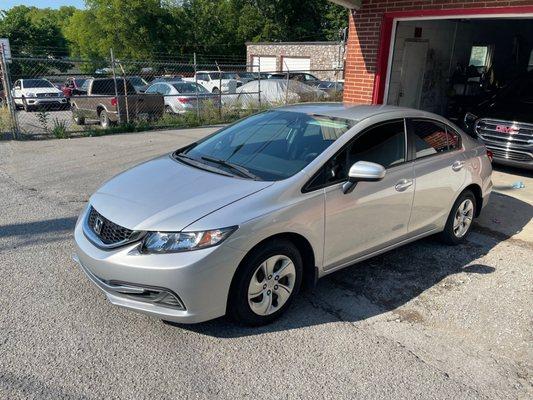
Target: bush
(60, 129)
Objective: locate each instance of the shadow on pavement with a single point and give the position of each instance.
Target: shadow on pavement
(30, 233)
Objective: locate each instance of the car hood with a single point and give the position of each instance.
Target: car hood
(508, 109)
(42, 90)
(166, 195)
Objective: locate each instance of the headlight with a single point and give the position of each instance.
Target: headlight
(470, 119)
(173, 242)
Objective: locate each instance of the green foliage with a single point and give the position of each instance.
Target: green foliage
(60, 129)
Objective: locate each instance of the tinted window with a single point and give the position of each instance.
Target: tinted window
(454, 139)
(107, 87)
(383, 144)
(36, 83)
(430, 138)
(273, 145)
(189, 87)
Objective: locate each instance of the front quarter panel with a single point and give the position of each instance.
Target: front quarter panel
(282, 208)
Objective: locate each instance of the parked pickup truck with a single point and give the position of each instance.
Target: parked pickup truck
(215, 81)
(98, 101)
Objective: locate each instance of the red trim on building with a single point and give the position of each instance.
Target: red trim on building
(371, 34)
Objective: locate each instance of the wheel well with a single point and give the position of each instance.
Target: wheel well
(99, 109)
(305, 249)
(476, 190)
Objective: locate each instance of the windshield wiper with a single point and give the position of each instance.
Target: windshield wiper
(239, 168)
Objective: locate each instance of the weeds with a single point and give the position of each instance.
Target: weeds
(44, 120)
(60, 129)
(5, 119)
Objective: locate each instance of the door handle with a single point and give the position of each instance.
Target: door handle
(458, 165)
(403, 185)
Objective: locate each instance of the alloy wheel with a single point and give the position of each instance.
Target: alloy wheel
(463, 218)
(271, 285)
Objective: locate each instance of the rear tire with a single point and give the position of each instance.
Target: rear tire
(459, 223)
(104, 119)
(78, 120)
(216, 91)
(262, 291)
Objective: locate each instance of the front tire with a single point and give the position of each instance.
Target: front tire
(460, 220)
(266, 283)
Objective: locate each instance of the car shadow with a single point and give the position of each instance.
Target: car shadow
(31, 233)
(381, 284)
(513, 170)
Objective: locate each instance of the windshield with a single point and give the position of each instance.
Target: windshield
(36, 83)
(223, 75)
(189, 87)
(273, 145)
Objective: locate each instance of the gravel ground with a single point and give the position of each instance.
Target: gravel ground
(423, 321)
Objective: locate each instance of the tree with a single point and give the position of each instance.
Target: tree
(34, 32)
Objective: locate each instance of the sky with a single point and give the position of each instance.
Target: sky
(7, 4)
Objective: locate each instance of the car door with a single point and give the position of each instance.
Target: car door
(375, 214)
(439, 172)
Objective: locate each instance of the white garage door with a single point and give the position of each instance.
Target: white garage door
(296, 64)
(267, 64)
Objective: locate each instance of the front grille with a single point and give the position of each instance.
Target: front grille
(48, 94)
(509, 132)
(108, 232)
(511, 155)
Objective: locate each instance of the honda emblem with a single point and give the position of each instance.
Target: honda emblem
(98, 224)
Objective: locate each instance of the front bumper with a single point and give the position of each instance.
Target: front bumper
(200, 279)
(60, 101)
(512, 157)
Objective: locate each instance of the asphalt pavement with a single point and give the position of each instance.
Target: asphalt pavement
(425, 321)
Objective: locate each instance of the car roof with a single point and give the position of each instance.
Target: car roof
(356, 112)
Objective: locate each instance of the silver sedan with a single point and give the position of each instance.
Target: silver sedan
(236, 223)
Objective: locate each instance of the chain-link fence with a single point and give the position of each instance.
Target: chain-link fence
(61, 98)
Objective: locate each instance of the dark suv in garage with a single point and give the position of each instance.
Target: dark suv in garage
(505, 123)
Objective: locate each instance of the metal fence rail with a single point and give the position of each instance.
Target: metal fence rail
(42, 97)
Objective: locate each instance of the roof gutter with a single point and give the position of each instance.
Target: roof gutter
(350, 4)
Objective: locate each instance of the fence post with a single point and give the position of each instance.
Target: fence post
(287, 88)
(9, 96)
(116, 87)
(219, 90)
(196, 89)
(258, 80)
(125, 92)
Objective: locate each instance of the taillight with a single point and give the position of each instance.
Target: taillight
(490, 155)
(114, 101)
(184, 99)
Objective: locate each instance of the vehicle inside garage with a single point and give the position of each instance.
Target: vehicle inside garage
(448, 66)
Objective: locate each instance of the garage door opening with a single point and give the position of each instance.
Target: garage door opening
(446, 65)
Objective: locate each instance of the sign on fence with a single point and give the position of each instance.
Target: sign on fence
(5, 48)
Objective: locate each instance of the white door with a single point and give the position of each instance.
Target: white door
(296, 64)
(266, 63)
(413, 69)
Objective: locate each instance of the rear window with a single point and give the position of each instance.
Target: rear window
(107, 87)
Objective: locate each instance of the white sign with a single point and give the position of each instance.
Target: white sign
(6, 48)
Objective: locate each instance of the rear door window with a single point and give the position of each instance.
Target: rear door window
(429, 137)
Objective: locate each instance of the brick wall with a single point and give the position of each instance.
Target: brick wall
(364, 37)
(323, 55)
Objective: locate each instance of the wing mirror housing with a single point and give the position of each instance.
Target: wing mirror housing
(363, 171)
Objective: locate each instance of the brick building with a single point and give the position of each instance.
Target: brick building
(319, 58)
(422, 53)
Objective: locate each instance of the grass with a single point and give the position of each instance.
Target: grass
(5, 120)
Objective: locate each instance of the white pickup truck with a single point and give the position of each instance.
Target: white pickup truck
(216, 82)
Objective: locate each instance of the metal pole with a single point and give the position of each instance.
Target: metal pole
(115, 82)
(125, 92)
(258, 81)
(196, 89)
(9, 96)
(219, 89)
(287, 88)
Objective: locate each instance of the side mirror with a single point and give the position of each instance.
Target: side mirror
(363, 171)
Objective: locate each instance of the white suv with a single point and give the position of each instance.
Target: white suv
(33, 93)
